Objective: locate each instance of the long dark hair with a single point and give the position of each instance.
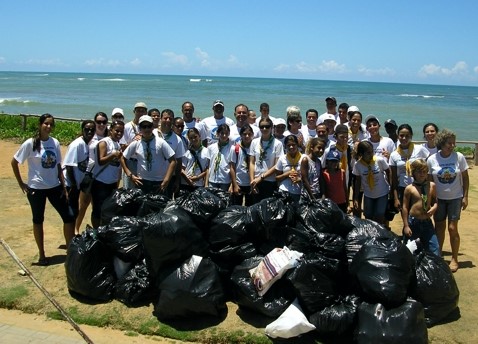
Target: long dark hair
(37, 137)
(102, 114)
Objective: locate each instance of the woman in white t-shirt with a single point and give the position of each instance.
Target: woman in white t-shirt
(195, 162)
(239, 161)
(45, 180)
(430, 130)
(218, 174)
(288, 173)
(449, 171)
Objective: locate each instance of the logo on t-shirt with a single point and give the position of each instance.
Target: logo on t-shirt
(48, 159)
(446, 175)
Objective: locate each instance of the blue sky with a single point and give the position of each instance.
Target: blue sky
(432, 42)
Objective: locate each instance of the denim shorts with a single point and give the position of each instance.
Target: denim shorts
(448, 208)
(425, 231)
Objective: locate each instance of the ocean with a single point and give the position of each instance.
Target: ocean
(81, 95)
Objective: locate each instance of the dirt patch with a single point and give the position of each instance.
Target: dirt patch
(16, 230)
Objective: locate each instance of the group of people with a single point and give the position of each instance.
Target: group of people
(335, 155)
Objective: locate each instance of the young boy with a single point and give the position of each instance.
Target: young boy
(419, 205)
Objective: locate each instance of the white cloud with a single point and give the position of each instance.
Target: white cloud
(282, 68)
(203, 57)
(135, 62)
(304, 67)
(102, 62)
(44, 62)
(331, 66)
(460, 68)
(176, 59)
(376, 71)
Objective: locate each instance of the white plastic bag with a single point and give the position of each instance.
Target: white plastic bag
(272, 267)
(291, 323)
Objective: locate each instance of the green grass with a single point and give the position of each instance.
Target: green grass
(10, 297)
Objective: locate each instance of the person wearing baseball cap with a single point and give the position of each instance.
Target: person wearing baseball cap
(117, 114)
(210, 124)
(382, 146)
(331, 105)
(391, 129)
(132, 133)
(151, 152)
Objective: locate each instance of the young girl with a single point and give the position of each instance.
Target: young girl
(45, 180)
(373, 174)
(288, 173)
(311, 168)
(335, 180)
(239, 164)
(195, 162)
(218, 175)
(108, 152)
(419, 205)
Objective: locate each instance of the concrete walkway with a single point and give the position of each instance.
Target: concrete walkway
(12, 334)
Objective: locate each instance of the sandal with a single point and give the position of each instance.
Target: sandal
(42, 262)
(453, 266)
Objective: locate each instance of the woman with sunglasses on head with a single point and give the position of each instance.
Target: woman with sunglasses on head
(294, 126)
(288, 173)
(264, 154)
(76, 164)
(107, 169)
(45, 180)
(101, 131)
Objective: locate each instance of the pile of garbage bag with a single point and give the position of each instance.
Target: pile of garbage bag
(192, 255)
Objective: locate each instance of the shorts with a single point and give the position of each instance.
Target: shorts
(374, 208)
(425, 231)
(37, 199)
(448, 208)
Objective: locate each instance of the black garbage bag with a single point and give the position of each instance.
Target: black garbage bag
(202, 204)
(151, 203)
(229, 257)
(305, 240)
(363, 231)
(136, 286)
(244, 293)
(123, 235)
(384, 269)
(314, 283)
(193, 289)
(403, 324)
(436, 288)
(169, 238)
(89, 267)
(123, 202)
(338, 318)
(228, 228)
(323, 216)
(267, 221)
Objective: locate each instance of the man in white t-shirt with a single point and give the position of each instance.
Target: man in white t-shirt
(210, 124)
(241, 112)
(190, 121)
(331, 104)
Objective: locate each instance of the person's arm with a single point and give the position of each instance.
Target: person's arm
(346, 190)
(208, 172)
(433, 200)
(357, 184)
(405, 211)
(104, 158)
(466, 185)
(169, 173)
(232, 173)
(394, 187)
(304, 171)
(18, 176)
(70, 173)
(252, 169)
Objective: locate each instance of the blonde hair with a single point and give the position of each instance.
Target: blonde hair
(312, 142)
(418, 165)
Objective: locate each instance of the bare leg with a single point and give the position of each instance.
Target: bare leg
(38, 234)
(85, 200)
(68, 232)
(440, 230)
(454, 243)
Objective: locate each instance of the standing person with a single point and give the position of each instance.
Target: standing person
(419, 205)
(372, 174)
(240, 113)
(101, 131)
(264, 110)
(165, 131)
(357, 131)
(264, 154)
(311, 169)
(117, 115)
(252, 117)
(449, 171)
(294, 124)
(131, 133)
(430, 130)
(212, 123)
(156, 162)
(178, 128)
(309, 130)
(331, 105)
(45, 180)
(218, 175)
(239, 167)
(343, 113)
(391, 129)
(330, 123)
(382, 146)
(288, 173)
(190, 121)
(335, 184)
(155, 114)
(195, 162)
(279, 129)
(107, 169)
(400, 161)
(76, 165)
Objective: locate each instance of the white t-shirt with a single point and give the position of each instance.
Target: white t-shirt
(210, 125)
(385, 144)
(381, 186)
(235, 135)
(419, 152)
(430, 150)
(447, 174)
(42, 166)
(92, 145)
(286, 184)
(77, 156)
(174, 141)
(219, 163)
(240, 157)
(112, 172)
(130, 131)
(265, 154)
(151, 167)
(191, 166)
(194, 124)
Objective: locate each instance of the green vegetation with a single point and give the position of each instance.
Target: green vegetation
(9, 297)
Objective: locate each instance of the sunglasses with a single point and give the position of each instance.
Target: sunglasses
(265, 127)
(88, 129)
(102, 122)
(179, 126)
(146, 126)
